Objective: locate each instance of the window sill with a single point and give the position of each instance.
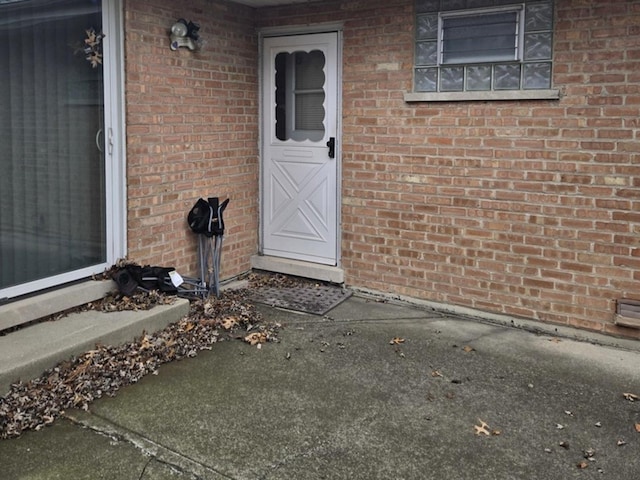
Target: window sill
(482, 96)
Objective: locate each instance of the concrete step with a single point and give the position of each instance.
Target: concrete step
(49, 303)
(26, 353)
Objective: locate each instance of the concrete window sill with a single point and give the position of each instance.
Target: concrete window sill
(482, 96)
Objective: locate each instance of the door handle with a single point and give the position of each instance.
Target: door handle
(332, 147)
(98, 140)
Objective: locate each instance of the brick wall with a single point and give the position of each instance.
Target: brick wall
(192, 130)
(526, 208)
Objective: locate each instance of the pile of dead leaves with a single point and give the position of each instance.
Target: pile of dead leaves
(138, 301)
(106, 369)
(275, 280)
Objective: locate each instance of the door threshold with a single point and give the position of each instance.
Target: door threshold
(315, 271)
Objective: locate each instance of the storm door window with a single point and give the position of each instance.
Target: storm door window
(52, 187)
(300, 96)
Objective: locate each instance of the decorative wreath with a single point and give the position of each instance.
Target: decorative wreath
(93, 47)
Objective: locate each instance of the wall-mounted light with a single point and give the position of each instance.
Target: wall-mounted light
(185, 34)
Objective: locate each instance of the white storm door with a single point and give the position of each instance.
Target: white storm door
(299, 151)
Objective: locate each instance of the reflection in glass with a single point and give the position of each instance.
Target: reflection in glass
(507, 77)
(479, 77)
(426, 79)
(52, 187)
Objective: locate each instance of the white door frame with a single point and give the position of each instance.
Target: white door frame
(115, 133)
(336, 28)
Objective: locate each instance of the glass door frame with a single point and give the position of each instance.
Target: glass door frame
(114, 162)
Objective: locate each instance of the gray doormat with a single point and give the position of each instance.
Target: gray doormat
(310, 298)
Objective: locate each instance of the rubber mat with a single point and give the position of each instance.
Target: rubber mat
(311, 298)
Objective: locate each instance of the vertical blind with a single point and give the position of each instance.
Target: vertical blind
(480, 38)
(52, 187)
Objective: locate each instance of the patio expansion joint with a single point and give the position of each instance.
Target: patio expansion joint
(157, 452)
(492, 333)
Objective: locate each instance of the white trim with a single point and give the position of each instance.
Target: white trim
(338, 159)
(115, 158)
(550, 94)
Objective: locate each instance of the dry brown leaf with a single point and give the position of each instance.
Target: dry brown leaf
(468, 348)
(145, 343)
(582, 465)
(631, 397)
(396, 341)
(256, 338)
(188, 326)
(482, 429)
(555, 340)
(637, 426)
(229, 322)
(436, 373)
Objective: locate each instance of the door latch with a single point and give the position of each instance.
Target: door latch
(332, 147)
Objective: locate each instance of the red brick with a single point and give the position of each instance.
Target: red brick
(460, 233)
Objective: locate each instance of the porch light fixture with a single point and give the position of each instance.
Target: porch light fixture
(185, 34)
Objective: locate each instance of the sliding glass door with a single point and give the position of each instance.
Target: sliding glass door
(55, 192)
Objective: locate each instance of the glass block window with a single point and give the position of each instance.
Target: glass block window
(483, 45)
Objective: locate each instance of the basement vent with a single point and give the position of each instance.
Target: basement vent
(628, 313)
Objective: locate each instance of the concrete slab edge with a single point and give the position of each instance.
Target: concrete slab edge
(533, 326)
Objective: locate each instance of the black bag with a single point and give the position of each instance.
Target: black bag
(130, 277)
(157, 278)
(200, 217)
(205, 217)
(127, 284)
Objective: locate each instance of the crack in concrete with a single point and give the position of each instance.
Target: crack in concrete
(145, 469)
(161, 454)
(318, 449)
